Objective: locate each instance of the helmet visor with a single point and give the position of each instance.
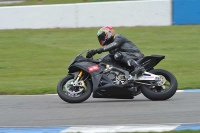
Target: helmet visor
(101, 38)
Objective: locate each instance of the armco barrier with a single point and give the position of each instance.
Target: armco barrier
(186, 12)
(131, 13)
(36, 17)
(124, 13)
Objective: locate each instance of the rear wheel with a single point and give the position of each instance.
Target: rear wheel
(166, 89)
(73, 94)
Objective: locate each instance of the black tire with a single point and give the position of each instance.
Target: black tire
(69, 99)
(155, 96)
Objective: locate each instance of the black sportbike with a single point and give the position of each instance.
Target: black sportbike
(106, 78)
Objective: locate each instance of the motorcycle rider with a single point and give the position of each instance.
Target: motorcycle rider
(123, 50)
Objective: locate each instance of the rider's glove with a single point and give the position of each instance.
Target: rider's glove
(99, 51)
(91, 53)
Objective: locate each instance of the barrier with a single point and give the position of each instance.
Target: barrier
(134, 13)
(36, 17)
(97, 14)
(186, 12)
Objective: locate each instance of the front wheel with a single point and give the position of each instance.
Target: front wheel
(73, 94)
(164, 91)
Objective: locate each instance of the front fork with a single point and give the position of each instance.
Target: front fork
(79, 76)
(79, 83)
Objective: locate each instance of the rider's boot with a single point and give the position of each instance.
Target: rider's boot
(138, 69)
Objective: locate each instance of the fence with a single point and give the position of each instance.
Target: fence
(124, 13)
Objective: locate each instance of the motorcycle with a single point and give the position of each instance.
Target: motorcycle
(106, 78)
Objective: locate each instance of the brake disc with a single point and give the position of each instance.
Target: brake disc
(69, 88)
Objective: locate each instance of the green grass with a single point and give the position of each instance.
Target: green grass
(35, 2)
(33, 61)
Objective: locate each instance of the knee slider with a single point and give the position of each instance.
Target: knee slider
(118, 56)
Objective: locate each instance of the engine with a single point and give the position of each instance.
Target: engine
(117, 77)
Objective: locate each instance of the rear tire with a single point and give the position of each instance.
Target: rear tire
(62, 94)
(163, 95)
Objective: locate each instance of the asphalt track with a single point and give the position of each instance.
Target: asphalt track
(50, 110)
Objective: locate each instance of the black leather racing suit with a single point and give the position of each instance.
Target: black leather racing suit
(124, 50)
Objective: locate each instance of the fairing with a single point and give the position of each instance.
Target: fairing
(103, 87)
(148, 62)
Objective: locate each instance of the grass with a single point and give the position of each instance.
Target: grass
(44, 2)
(33, 61)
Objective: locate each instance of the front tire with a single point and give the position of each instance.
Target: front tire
(158, 93)
(78, 99)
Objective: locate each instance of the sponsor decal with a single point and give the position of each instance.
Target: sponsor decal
(93, 68)
(147, 77)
